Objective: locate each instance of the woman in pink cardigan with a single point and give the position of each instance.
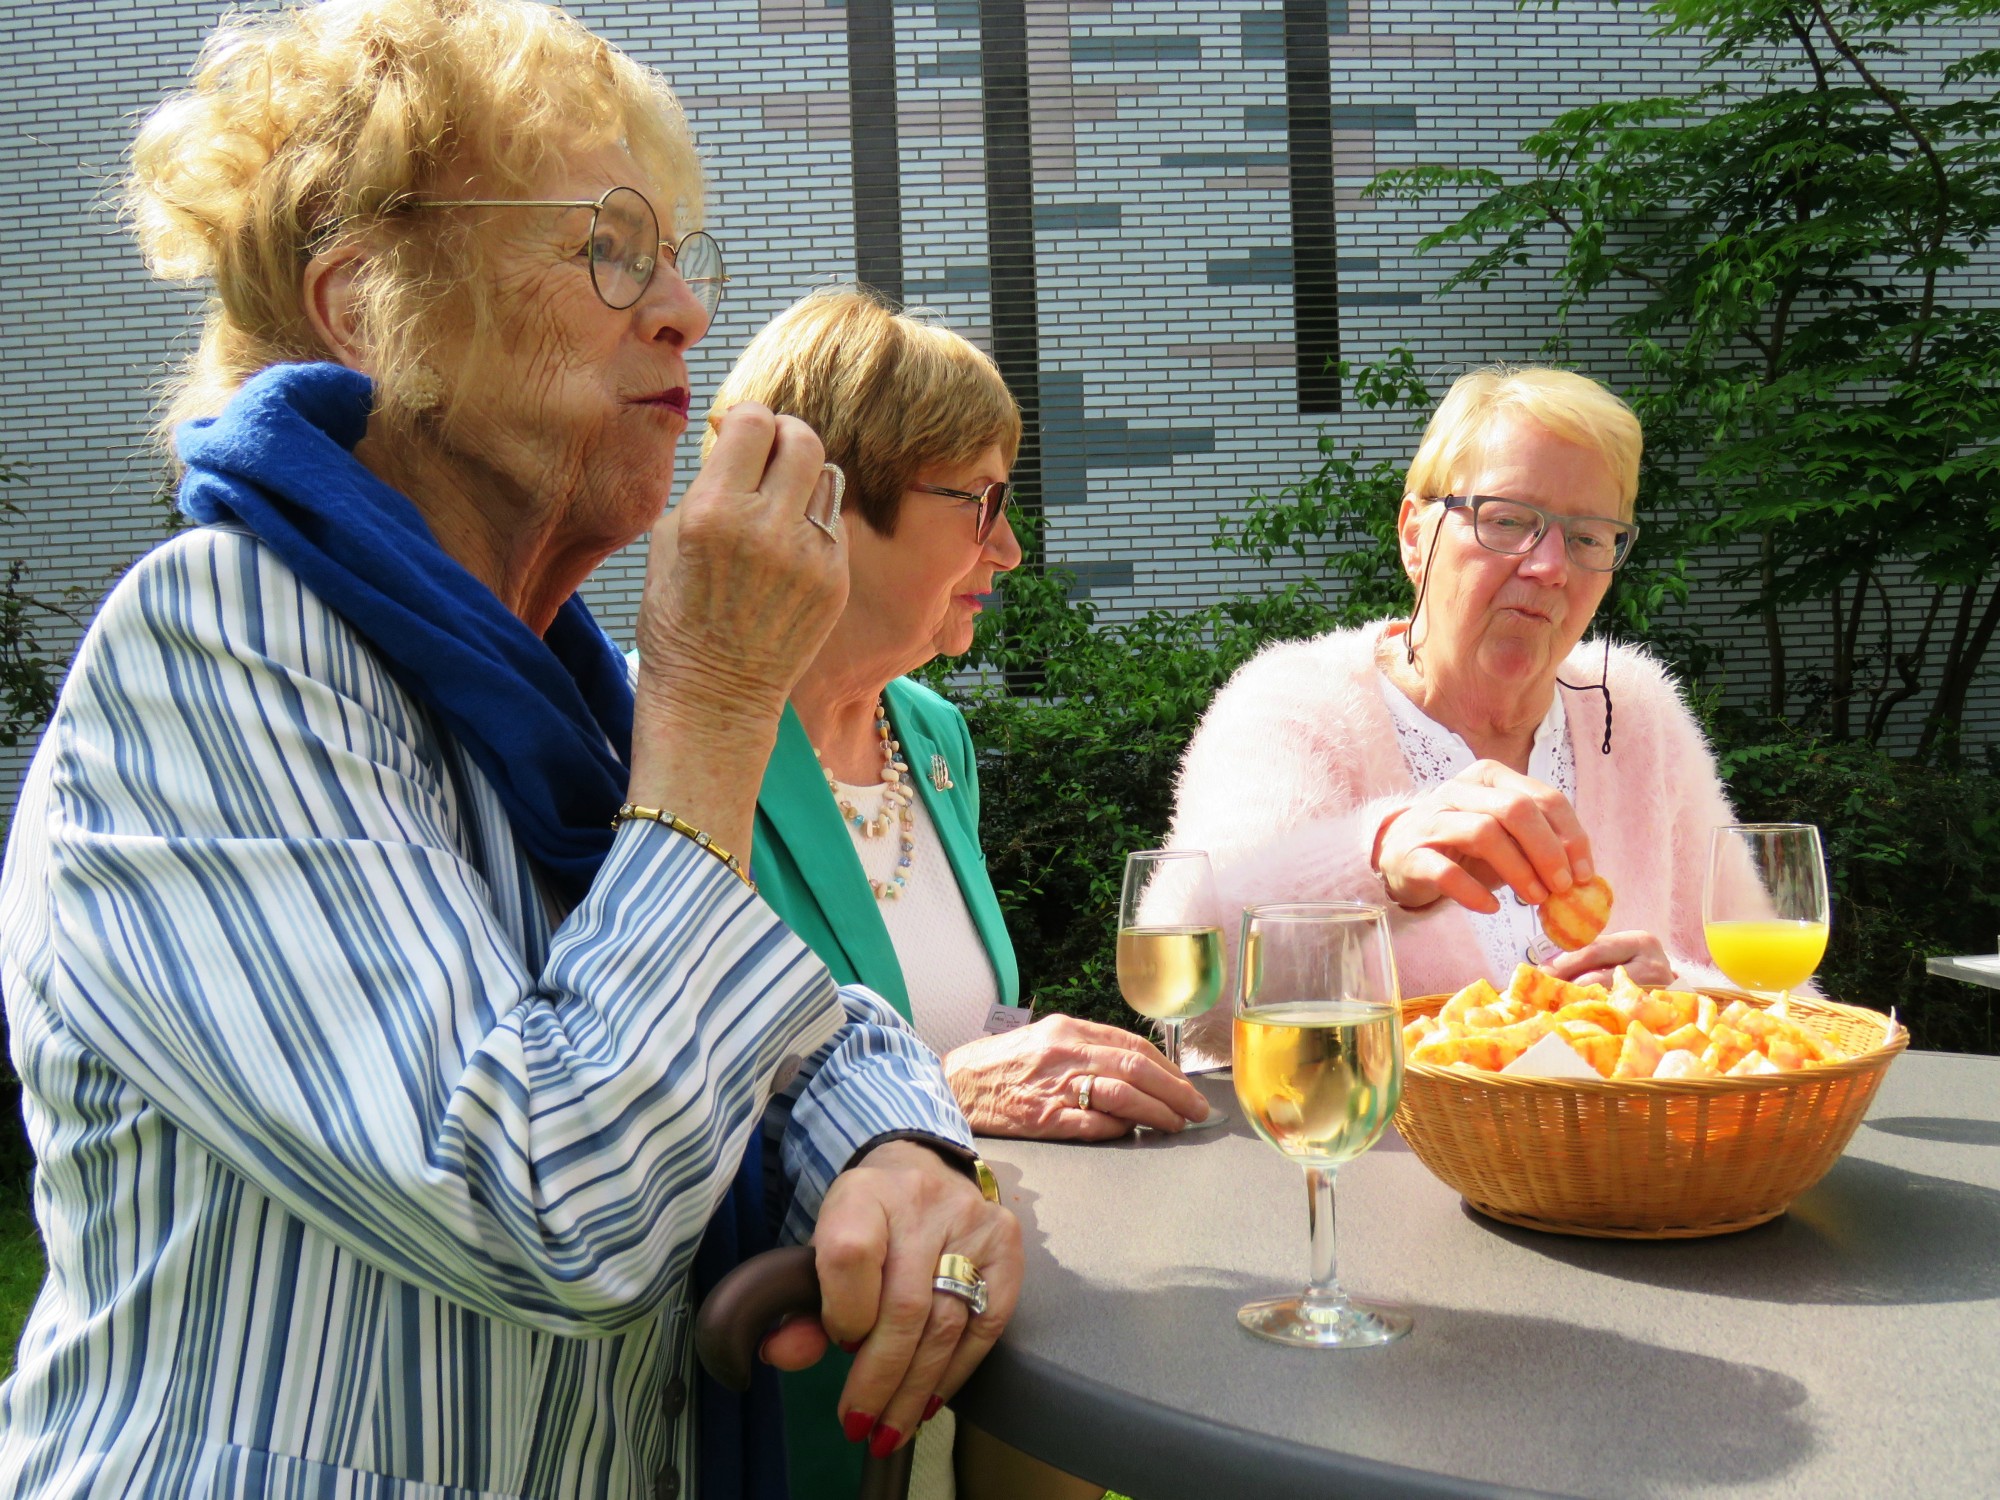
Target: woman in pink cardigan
(1461, 766)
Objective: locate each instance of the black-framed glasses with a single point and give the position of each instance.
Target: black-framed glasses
(992, 502)
(1597, 544)
(625, 247)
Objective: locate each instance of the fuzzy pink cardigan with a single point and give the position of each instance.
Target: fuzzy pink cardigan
(1296, 764)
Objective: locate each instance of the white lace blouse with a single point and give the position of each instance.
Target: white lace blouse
(1434, 754)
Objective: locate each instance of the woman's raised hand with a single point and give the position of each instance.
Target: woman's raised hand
(1486, 827)
(884, 1224)
(741, 591)
(1027, 1082)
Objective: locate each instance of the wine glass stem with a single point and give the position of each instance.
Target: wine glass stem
(1324, 1286)
(1170, 1041)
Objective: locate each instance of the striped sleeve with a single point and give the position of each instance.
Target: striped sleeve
(266, 920)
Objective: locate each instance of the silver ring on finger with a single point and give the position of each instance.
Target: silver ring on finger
(825, 512)
(1083, 1086)
(958, 1277)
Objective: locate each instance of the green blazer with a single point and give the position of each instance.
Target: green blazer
(806, 866)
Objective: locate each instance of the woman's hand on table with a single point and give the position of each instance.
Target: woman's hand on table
(1640, 954)
(1486, 827)
(1028, 1082)
(885, 1222)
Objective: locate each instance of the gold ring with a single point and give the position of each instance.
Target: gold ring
(1083, 1085)
(958, 1277)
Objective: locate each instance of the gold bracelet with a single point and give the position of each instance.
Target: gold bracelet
(632, 812)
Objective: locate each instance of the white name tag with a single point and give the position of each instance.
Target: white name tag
(1006, 1017)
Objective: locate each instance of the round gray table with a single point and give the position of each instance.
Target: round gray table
(1851, 1347)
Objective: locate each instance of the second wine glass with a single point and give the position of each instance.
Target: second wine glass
(1170, 959)
(1319, 1067)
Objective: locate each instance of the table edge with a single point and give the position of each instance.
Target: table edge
(1164, 1454)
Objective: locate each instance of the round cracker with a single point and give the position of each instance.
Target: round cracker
(1574, 917)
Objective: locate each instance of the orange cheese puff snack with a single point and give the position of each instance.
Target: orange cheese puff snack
(1571, 1030)
(1751, 1063)
(1574, 917)
(1504, 1012)
(1478, 1051)
(1667, 1010)
(1786, 1053)
(1640, 1055)
(1681, 1063)
(1417, 1030)
(1733, 1014)
(1475, 995)
(1522, 1035)
(1600, 1051)
(1626, 996)
(1685, 1039)
(1704, 1012)
(1541, 991)
(1727, 1045)
(1600, 1012)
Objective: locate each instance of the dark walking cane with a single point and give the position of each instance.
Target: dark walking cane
(745, 1306)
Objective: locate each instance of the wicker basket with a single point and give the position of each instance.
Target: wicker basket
(1645, 1159)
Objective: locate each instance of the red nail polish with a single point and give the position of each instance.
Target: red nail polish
(884, 1442)
(931, 1407)
(857, 1425)
(852, 1346)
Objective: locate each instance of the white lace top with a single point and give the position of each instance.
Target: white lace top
(1434, 754)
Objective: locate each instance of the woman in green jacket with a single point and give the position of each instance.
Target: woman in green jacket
(867, 840)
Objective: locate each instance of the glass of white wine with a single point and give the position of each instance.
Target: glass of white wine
(1764, 905)
(1319, 1066)
(1170, 960)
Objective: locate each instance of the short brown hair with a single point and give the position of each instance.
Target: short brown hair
(305, 129)
(887, 393)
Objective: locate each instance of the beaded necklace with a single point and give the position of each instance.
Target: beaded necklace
(897, 795)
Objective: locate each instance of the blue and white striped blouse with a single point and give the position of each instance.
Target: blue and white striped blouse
(364, 1170)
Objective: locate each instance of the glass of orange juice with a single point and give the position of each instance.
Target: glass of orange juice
(1764, 906)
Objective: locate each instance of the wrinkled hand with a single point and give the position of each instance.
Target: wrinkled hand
(1642, 955)
(740, 590)
(885, 1222)
(1024, 1082)
(1486, 827)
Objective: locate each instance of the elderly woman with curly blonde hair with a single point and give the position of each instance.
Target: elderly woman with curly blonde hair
(394, 1006)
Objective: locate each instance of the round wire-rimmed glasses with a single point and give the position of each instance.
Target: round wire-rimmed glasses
(1597, 544)
(625, 246)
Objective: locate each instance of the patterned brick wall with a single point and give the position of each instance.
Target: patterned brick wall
(1159, 326)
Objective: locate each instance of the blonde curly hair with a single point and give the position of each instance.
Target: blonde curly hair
(311, 129)
(887, 393)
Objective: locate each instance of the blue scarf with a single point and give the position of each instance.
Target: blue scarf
(548, 720)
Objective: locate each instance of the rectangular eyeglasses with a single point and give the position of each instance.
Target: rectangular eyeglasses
(1597, 544)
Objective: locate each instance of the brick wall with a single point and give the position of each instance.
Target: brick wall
(1159, 327)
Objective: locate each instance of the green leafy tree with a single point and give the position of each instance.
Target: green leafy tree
(1789, 247)
(29, 674)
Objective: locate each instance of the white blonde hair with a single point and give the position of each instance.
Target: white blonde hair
(1573, 407)
(307, 129)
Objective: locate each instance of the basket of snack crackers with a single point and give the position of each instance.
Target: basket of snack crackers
(1635, 1113)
